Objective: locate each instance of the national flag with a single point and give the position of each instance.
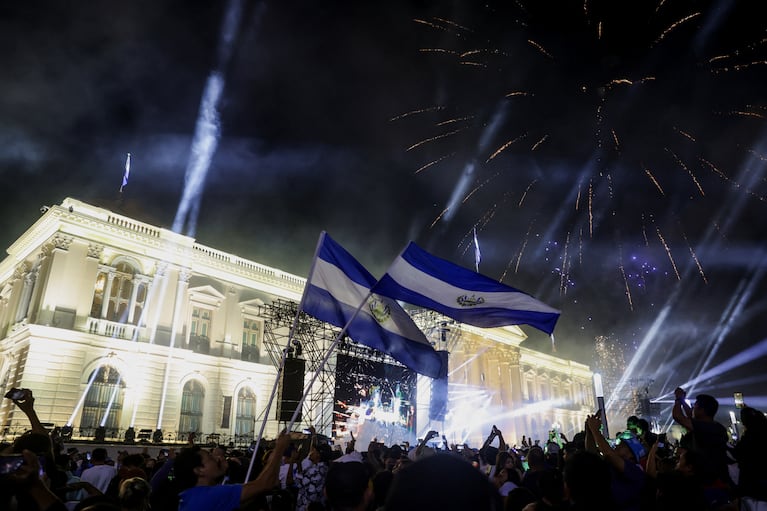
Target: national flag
(126, 174)
(339, 290)
(422, 279)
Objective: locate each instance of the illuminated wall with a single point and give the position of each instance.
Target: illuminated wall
(110, 320)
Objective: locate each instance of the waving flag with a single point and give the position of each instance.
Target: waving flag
(126, 174)
(421, 279)
(339, 289)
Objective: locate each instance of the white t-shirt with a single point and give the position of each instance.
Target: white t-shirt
(99, 476)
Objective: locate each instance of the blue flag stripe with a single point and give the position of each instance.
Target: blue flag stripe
(420, 357)
(422, 279)
(338, 285)
(417, 278)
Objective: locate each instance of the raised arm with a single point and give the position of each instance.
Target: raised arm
(501, 442)
(269, 476)
(418, 450)
(25, 401)
(593, 424)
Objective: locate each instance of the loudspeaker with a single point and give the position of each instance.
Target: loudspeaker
(292, 389)
(438, 401)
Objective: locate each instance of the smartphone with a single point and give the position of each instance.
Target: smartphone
(15, 394)
(10, 463)
(661, 440)
(738, 400)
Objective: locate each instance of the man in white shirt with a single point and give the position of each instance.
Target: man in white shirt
(100, 474)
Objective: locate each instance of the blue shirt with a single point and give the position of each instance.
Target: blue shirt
(210, 498)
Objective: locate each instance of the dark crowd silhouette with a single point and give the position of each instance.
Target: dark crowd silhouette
(637, 470)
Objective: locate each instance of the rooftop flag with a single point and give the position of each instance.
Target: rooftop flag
(126, 174)
(422, 279)
(339, 292)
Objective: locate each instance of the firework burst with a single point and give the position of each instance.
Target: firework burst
(616, 115)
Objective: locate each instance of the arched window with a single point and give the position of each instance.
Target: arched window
(103, 401)
(246, 412)
(118, 296)
(192, 399)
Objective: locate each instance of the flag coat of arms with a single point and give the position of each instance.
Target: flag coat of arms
(338, 292)
(420, 278)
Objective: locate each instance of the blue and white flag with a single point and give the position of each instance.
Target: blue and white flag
(340, 287)
(126, 175)
(421, 279)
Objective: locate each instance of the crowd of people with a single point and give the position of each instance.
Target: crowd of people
(638, 470)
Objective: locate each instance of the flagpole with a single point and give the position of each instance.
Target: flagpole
(325, 359)
(285, 352)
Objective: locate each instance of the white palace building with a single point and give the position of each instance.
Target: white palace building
(120, 326)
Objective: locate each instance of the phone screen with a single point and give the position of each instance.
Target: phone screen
(738, 399)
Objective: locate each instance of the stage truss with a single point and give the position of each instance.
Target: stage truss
(311, 340)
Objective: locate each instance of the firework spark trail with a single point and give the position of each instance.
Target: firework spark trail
(668, 252)
(742, 113)
(518, 93)
(580, 246)
(416, 112)
(675, 25)
(479, 186)
(524, 194)
(505, 146)
(470, 63)
(434, 162)
(542, 140)
(616, 141)
(454, 24)
(563, 276)
(540, 48)
(437, 137)
(686, 169)
(578, 197)
(519, 254)
(455, 120)
(438, 218)
(728, 179)
(684, 134)
(644, 231)
(694, 256)
(438, 50)
(439, 27)
(654, 181)
(625, 281)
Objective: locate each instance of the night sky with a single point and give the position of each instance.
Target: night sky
(613, 153)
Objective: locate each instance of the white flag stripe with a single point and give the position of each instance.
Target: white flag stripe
(410, 277)
(329, 277)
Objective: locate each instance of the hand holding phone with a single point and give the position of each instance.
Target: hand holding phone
(15, 394)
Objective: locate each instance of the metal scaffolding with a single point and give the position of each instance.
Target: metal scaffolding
(310, 342)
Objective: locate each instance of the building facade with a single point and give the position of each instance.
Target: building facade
(117, 324)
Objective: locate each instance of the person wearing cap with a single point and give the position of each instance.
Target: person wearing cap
(628, 478)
